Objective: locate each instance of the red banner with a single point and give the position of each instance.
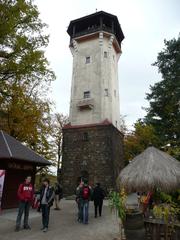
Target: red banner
(2, 177)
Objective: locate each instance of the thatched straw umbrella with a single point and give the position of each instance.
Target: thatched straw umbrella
(149, 170)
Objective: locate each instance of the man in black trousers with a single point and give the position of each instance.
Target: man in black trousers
(25, 195)
(46, 199)
(98, 196)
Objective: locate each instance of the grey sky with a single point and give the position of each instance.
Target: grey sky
(145, 23)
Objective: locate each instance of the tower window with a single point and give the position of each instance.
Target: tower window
(113, 57)
(85, 136)
(115, 93)
(88, 60)
(105, 54)
(106, 92)
(87, 94)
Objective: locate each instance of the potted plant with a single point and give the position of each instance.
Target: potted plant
(167, 213)
(117, 206)
(131, 222)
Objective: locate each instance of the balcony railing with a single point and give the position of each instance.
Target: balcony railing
(87, 103)
(93, 29)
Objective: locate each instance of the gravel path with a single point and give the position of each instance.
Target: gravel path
(63, 225)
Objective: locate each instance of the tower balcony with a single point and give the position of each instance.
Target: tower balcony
(99, 21)
(86, 104)
(93, 29)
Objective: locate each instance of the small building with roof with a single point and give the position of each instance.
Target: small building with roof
(150, 170)
(16, 162)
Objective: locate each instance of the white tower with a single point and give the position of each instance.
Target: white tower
(92, 142)
(96, 47)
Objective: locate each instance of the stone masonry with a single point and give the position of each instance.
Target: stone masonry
(94, 152)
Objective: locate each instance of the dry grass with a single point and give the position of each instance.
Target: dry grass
(151, 169)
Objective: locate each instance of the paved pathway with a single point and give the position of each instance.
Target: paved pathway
(63, 225)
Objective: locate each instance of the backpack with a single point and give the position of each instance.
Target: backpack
(86, 193)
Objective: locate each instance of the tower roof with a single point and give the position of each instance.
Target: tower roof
(99, 21)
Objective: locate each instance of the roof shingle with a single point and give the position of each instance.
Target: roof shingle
(10, 148)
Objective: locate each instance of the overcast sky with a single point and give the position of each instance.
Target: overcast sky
(145, 23)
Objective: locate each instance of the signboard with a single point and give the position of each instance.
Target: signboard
(18, 166)
(2, 176)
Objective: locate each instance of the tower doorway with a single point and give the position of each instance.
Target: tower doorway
(84, 175)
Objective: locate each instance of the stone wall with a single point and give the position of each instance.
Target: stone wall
(95, 152)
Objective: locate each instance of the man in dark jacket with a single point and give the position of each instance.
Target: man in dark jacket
(25, 195)
(46, 200)
(98, 196)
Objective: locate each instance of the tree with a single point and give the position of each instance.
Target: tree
(164, 98)
(22, 41)
(29, 120)
(138, 140)
(59, 120)
(123, 127)
(25, 76)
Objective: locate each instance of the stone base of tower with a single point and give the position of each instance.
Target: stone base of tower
(94, 152)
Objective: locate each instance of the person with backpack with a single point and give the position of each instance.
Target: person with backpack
(85, 196)
(25, 195)
(98, 197)
(46, 200)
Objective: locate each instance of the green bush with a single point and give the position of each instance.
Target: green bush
(117, 204)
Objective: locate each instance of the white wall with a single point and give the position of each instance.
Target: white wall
(100, 74)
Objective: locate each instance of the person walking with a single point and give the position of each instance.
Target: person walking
(85, 195)
(46, 200)
(25, 195)
(98, 197)
(58, 195)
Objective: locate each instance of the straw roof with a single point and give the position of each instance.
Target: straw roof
(151, 169)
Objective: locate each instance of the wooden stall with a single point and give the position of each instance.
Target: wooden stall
(17, 161)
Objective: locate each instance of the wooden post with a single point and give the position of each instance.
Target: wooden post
(74, 30)
(112, 26)
(101, 22)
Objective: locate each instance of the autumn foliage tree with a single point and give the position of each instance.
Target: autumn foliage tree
(139, 139)
(25, 76)
(22, 40)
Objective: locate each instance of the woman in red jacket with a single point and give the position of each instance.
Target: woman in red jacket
(25, 196)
